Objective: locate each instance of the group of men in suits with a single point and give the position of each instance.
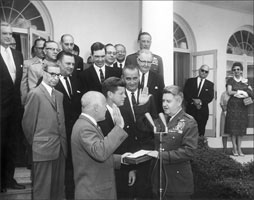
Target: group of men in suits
(52, 86)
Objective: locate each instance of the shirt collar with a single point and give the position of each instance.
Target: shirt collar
(48, 88)
(90, 117)
(175, 114)
(3, 49)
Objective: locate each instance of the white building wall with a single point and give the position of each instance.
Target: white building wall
(92, 21)
(212, 28)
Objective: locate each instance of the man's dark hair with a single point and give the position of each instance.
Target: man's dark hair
(49, 41)
(131, 67)
(37, 40)
(97, 46)
(111, 84)
(143, 33)
(76, 48)
(61, 54)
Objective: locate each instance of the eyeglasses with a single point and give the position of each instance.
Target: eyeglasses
(53, 49)
(236, 69)
(204, 71)
(120, 52)
(54, 75)
(110, 52)
(68, 44)
(145, 62)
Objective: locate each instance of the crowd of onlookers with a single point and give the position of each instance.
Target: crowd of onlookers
(81, 120)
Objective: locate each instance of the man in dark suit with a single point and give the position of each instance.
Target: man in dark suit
(43, 124)
(92, 77)
(134, 109)
(110, 58)
(11, 62)
(198, 93)
(150, 79)
(69, 86)
(145, 41)
(113, 89)
(67, 43)
(92, 153)
(120, 56)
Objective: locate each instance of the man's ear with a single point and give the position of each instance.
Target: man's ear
(109, 94)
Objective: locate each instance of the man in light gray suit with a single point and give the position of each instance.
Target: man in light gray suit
(43, 124)
(92, 153)
(37, 59)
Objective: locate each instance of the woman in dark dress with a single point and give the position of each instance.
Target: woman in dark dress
(237, 113)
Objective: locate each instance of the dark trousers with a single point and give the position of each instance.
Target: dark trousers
(124, 191)
(143, 186)
(8, 139)
(69, 173)
(201, 120)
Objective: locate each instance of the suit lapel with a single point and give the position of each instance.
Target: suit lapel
(5, 69)
(97, 127)
(47, 95)
(94, 74)
(17, 62)
(175, 120)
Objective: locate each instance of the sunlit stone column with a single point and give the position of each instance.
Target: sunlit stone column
(157, 19)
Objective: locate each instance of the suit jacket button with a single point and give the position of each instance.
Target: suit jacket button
(177, 172)
(136, 138)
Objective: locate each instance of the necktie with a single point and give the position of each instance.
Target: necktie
(121, 65)
(101, 76)
(68, 86)
(142, 81)
(133, 99)
(11, 66)
(199, 86)
(53, 96)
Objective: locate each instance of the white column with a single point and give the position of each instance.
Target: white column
(157, 19)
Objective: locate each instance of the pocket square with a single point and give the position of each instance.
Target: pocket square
(78, 91)
(206, 89)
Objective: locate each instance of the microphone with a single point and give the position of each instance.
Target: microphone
(150, 119)
(163, 119)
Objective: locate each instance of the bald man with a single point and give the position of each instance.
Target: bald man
(92, 153)
(198, 93)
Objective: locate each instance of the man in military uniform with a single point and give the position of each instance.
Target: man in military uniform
(179, 143)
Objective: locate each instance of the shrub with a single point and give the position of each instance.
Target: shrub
(217, 176)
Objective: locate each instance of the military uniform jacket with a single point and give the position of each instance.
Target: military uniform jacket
(179, 146)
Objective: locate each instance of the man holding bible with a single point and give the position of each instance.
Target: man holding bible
(179, 144)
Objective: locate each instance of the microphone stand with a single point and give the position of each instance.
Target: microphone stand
(160, 133)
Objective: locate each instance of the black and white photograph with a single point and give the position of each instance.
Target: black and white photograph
(126, 100)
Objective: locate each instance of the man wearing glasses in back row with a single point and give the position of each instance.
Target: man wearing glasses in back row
(51, 49)
(44, 128)
(198, 93)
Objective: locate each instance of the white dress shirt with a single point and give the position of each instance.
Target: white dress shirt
(97, 69)
(9, 61)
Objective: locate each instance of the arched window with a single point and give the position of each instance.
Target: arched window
(29, 19)
(180, 40)
(241, 43)
(21, 14)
